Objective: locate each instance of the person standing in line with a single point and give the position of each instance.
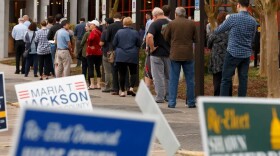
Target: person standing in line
(43, 51)
(50, 22)
(147, 71)
(127, 43)
(51, 34)
(181, 34)
(94, 54)
(84, 45)
(31, 58)
(26, 20)
(159, 50)
(18, 33)
(218, 45)
(79, 33)
(111, 32)
(166, 10)
(107, 65)
(242, 28)
(64, 51)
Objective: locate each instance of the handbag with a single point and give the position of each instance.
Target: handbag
(111, 56)
(26, 51)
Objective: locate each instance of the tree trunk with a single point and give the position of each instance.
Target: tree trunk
(272, 54)
(114, 9)
(263, 50)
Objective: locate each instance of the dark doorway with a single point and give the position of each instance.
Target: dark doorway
(56, 7)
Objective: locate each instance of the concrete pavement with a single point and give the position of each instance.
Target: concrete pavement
(184, 121)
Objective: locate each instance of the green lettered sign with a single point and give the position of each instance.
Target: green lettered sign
(240, 126)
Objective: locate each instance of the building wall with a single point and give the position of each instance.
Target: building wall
(4, 28)
(73, 11)
(43, 6)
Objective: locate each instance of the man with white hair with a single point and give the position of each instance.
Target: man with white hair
(26, 20)
(181, 34)
(18, 33)
(159, 51)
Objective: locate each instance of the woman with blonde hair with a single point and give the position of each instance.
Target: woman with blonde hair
(127, 43)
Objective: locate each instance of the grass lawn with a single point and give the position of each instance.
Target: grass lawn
(257, 86)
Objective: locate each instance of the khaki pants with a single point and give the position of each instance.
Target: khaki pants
(62, 63)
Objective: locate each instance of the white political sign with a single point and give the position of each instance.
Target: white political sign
(68, 92)
(164, 133)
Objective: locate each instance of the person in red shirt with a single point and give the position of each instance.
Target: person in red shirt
(94, 55)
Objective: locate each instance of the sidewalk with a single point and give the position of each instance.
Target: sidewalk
(183, 121)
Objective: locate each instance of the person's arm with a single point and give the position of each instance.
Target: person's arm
(225, 26)
(84, 40)
(150, 42)
(50, 33)
(14, 33)
(102, 40)
(107, 38)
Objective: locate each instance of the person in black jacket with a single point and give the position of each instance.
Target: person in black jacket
(51, 35)
(111, 32)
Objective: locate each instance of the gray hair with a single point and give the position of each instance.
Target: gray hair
(20, 19)
(180, 11)
(157, 11)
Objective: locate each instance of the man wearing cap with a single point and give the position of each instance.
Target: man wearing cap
(18, 33)
(64, 50)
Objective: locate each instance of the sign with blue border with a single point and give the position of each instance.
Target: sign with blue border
(66, 133)
(3, 107)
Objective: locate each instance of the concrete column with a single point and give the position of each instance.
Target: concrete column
(4, 28)
(31, 9)
(84, 9)
(104, 10)
(97, 8)
(43, 4)
(73, 11)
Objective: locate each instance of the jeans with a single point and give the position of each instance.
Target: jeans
(217, 79)
(31, 59)
(53, 51)
(175, 69)
(160, 72)
(242, 65)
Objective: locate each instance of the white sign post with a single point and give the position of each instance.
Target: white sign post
(164, 133)
(134, 11)
(68, 92)
(103, 10)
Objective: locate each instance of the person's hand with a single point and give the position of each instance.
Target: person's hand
(153, 49)
(91, 47)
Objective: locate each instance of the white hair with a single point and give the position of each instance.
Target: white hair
(180, 11)
(227, 16)
(157, 11)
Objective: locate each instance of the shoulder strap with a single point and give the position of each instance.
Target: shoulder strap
(32, 37)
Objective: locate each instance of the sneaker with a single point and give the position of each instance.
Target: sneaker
(169, 106)
(132, 93)
(16, 72)
(193, 106)
(106, 90)
(114, 93)
(158, 101)
(35, 75)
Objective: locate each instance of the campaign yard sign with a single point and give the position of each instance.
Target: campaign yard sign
(3, 107)
(240, 126)
(68, 92)
(45, 132)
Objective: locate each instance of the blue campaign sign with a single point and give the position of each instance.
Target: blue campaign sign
(45, 132)
(3, 111)
(196, 4)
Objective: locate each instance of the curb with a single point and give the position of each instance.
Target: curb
(190, 153)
